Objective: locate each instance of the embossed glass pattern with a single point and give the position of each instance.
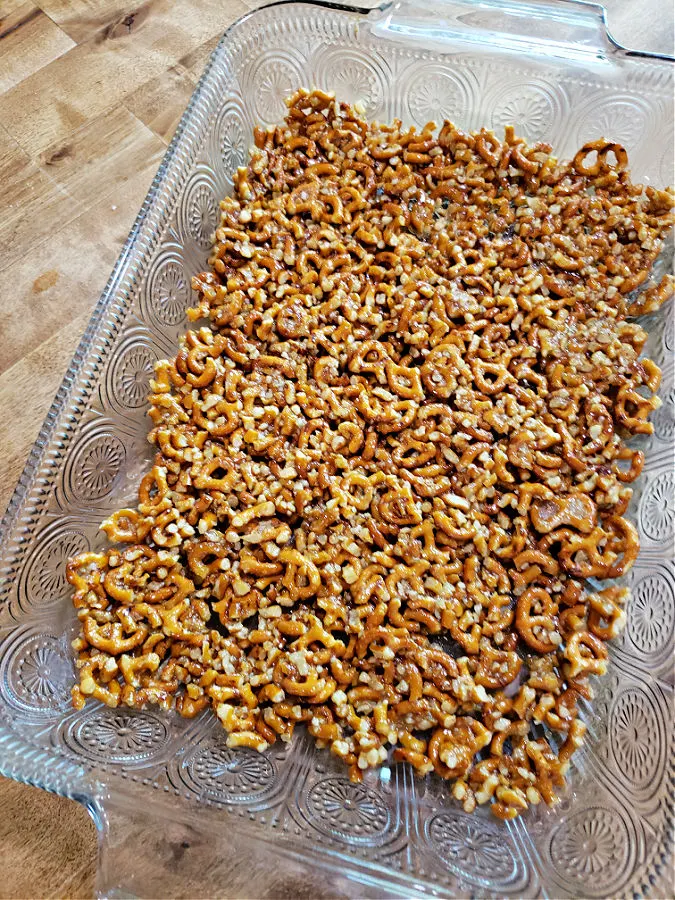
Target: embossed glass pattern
(552, 72)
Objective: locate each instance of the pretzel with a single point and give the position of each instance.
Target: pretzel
(126, 525)
(97, 679)
(585, 653)
(388, 452)
(606, 616)
(536, 620)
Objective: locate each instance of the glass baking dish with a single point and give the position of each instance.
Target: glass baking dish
(177, 811)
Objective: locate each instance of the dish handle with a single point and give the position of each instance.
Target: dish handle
(562, 28)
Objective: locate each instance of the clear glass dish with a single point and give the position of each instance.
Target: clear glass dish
(178, 812)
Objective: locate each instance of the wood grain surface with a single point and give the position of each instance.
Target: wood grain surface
(90, 94)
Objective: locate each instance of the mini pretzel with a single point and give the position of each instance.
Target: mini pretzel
(536, 619)
(497, 668)
(126, 525)
(586, 654)
(602, 149)
(606, 615)
(452, 751)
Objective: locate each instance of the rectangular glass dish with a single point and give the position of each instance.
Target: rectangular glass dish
(178, 812)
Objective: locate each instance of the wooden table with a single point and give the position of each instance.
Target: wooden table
(90, 94)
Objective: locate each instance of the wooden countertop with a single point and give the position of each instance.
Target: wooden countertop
(90, 94)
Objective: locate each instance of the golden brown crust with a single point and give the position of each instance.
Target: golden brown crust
(405, 424)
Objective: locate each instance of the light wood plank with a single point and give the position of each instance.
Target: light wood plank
(90, 79)
(161, 102)
(9, 7)
(33, 205)
(98, 158)
(44, 838)
(195, 61)
(14, 163)
(28, 41)
(197, 20)
(73, 269)
(114, 62)
(37, 208)
(26, 393)
(46, 108)
(82, 19)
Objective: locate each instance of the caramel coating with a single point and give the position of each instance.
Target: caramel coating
(386, 466)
